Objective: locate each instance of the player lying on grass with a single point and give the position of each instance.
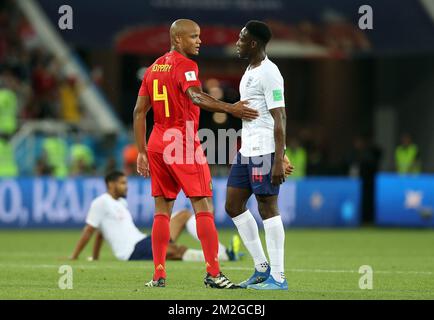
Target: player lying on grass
(110, 218)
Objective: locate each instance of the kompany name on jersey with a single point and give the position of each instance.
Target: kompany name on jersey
(161, 67)
(190, 76)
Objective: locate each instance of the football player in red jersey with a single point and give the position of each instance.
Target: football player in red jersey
(172, 88)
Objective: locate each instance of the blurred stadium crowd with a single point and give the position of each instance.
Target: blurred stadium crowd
(34, 88)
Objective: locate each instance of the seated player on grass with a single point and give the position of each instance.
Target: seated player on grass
(110, 217)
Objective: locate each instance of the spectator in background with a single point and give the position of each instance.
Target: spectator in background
(363, 161)
(110, 165)
(44, 85)
(82, 161)
(69, 101)
(106, 150)
(81, 156)
(407, 158)
(130, 154)
(221, 153)
(298, 157)
(97, 75)
(56, 152)
(42, 168)
(316, 158)
(8, 104)
(8, 165)
(34, 73)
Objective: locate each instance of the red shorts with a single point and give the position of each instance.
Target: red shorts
(168, 179)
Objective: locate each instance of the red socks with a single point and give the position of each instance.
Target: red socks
(207, 233)
(160, 240)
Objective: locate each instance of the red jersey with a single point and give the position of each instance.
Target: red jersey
(166, 82)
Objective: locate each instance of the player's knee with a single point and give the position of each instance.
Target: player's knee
(228, 209)
(233, 209)
(202, 204)
(267, 209)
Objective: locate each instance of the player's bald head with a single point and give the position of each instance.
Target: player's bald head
(185, 37)
(182, 27)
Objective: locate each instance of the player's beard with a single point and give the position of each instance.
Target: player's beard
(122, 193)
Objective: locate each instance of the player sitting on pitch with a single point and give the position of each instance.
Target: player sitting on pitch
(109, 214)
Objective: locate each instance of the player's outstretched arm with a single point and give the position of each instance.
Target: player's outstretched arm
(209, 103)
(99, 239)
(143, 104)
(82, 242)
(278, 172)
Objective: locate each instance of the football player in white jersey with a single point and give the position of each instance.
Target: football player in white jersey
(110, 217)
(260, 165)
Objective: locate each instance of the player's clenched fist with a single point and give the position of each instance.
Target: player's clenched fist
(143, 164)
(242, 111)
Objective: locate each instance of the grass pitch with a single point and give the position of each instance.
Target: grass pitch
(320, 264)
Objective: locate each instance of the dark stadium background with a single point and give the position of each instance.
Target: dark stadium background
(350, 93)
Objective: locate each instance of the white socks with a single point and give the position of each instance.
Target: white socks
(275, 239)
(191, 229)
(249, 233)
(193, 255)
(197, 255)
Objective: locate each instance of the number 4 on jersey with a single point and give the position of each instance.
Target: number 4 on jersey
(161, 97)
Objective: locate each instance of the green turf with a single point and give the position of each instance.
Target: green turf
(320, 264)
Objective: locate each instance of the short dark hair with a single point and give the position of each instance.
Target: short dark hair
(113, 176)
(259, 30)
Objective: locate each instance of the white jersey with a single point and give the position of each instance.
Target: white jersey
(263, 88)
(116, 224)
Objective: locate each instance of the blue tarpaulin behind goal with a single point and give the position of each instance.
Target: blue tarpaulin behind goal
(51, 203)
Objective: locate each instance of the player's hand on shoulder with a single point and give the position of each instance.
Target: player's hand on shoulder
(241, 110)
(143, 165)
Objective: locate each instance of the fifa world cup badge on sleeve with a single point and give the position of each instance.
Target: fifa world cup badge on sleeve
(277, 95)
(190, 76)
